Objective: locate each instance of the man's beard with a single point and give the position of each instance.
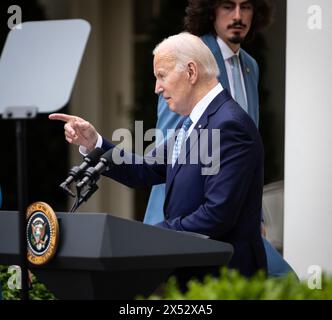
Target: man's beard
(236, 39)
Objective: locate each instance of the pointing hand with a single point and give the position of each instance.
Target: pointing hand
(77, 130)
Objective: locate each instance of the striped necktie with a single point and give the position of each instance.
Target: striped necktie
(238, 88)
(182, 136)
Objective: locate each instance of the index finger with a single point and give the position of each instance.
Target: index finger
(62, 117)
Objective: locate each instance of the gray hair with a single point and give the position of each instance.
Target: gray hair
(186, 47)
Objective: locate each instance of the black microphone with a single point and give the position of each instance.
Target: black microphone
(76, 172)
(92, 174)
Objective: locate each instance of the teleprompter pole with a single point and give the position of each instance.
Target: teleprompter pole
(22, 203)
(20, 114)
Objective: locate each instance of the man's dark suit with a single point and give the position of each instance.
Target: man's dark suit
(225, 206)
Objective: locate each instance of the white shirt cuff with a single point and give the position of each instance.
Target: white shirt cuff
(84, 152)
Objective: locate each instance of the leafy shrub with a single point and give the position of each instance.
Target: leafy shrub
(233, 286)
(37, 292)
(229, 286)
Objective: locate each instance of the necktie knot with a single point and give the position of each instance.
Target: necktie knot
(235, 61)
(186, 124)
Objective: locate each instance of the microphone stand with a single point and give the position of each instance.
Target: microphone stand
(92, 174)
(80, 198)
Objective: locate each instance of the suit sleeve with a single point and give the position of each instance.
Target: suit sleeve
(136, 171)
(225, 192)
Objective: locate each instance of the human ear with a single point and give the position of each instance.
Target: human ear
(192, 71)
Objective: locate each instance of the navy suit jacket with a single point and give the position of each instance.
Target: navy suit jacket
(169, 120)
(225, 206)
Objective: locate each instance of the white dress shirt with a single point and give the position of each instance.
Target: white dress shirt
(227, 54)
(202, 105)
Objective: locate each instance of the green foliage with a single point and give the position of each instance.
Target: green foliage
(37, 292)
(229, 286)
(233, 286)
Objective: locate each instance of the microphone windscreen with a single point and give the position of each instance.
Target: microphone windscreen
(94, 156)
(108, 155)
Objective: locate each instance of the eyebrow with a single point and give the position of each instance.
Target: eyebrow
(232, 2)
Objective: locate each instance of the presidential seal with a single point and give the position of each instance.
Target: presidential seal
(42, 233)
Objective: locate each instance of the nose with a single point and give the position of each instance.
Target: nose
(237, 13)
(158, 89)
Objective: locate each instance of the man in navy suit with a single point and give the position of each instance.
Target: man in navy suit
(221, 199)
(223, 26)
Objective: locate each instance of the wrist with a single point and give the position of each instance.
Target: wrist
(90, 147)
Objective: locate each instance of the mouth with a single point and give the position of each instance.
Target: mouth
(236, 29)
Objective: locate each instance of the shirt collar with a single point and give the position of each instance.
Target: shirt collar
(226, 51)
(202, 105)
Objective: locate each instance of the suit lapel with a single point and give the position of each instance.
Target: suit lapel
(189, 144)
(193, 139)
(248, 76)
(248, 70)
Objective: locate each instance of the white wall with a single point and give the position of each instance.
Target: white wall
(308, 157)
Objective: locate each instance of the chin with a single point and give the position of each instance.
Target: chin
(175, 110)
(236, 39)
(171, 107)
